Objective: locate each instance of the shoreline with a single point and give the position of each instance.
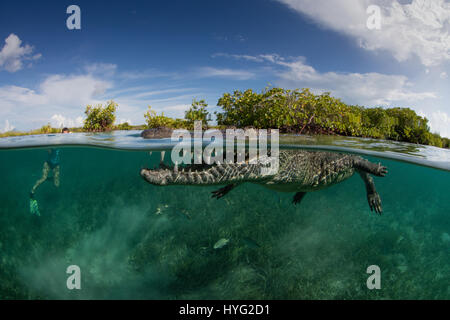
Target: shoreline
(166, 132)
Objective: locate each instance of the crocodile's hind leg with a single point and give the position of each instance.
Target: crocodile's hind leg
(372, 195)
(223, 191)
(298, 197)
(376, 169)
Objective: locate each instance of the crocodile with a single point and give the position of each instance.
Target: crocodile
(299, 171)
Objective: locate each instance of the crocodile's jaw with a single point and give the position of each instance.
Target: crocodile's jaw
(204, 174)
(189, 175)
(160, 177)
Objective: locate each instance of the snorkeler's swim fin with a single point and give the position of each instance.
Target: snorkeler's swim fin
(34, 207)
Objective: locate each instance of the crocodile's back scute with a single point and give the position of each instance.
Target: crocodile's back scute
(312, 170)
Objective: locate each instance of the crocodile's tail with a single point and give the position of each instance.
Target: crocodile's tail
(203, 174)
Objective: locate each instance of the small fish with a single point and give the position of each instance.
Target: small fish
(252, 244)
(221, 243)
(161, 209)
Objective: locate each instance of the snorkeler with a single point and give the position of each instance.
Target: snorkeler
(52, 163)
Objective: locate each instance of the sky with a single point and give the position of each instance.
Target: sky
(166, 53)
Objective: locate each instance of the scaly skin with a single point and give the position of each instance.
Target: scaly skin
(299, 171)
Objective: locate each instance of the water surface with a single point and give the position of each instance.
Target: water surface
(133, 240)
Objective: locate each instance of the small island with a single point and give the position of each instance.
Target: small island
(291, 111)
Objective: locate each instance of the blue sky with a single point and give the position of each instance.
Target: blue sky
(165, 53)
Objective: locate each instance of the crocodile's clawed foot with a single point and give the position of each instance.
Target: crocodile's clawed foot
(222, 191)
(375, 202)
(381, 170)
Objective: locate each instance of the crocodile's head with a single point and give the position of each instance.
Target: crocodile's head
(211, 174)
(161, 177)
(181, 175)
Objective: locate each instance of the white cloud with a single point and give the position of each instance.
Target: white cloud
(176, 107)
(207, 72)
(137, 99)
(13, 54)
(8, 127)
(59, 121)
(73, 89)
(56, 90)
(105, 69)
(58, 99)
(259, 58)
(439, 122)
(443, 75)
(11, 96)
(61, 99)
(120, 121)
(160, 92)
(147, 74)
(358, 88)
(420, 28)
(361, 88)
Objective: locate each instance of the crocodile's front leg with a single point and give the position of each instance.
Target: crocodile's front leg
(376, 169)
(223, 191)
(372, 195)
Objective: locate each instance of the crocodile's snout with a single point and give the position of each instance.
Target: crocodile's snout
(156, 177)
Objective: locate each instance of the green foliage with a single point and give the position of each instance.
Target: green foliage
(43, 130)
(155, 121)
(304, 112)
(48, 129)
(445, 142)
(123, 126)
(100, 118)
(198, 112)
